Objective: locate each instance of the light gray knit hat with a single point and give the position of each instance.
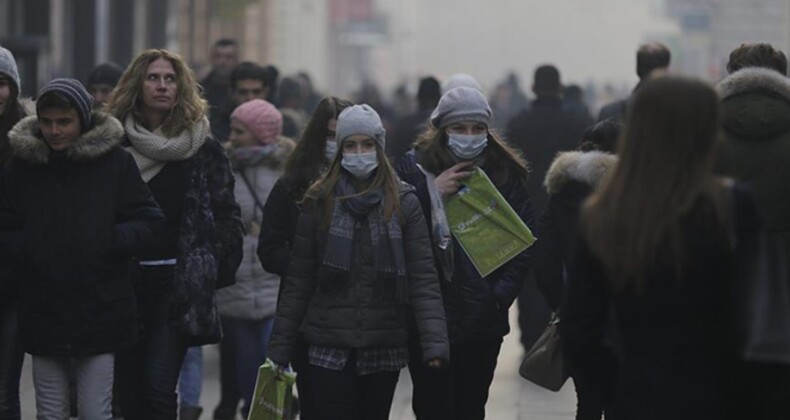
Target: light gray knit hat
(461, 104)
(359, 119)
(461, 79)
(8, 67)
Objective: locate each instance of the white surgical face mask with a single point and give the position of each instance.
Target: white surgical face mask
(360, 164)
(467, 146)
(331, 149)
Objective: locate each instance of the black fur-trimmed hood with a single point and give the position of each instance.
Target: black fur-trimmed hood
(27, 144)
(755, 104)
(586, 167)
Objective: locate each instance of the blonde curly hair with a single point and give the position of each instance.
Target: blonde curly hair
(190, 106)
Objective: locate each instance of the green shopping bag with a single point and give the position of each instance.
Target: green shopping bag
(273, 396)
(488, 229)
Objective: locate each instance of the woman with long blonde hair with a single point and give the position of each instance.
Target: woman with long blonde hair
(199, 250)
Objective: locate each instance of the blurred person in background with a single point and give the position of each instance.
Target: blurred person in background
(569, 181)
(457, 140)
(311, 97)
(11, 353)
(755, 102)
(360, 268)
(507, 101)
(408, 128)
(224, 56)
(101, 82)
(573, 102)
(649, 58)
(653, 262)
(200, 248)
(291, 103)
(248, 81)
(258, 153)
(540, 133)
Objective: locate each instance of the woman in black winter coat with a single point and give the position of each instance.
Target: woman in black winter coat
(477, 308)
(361, 265)
(652, 270)
(570, 179)
(11, 354)
(200, 248)
(73, 210)
(313, 154)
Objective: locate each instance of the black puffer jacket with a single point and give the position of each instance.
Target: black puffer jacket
(280, 214)
(571, 178)
(476, 307)
(357, 319)
(71, 220)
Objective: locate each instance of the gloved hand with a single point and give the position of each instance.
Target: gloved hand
(279, 369)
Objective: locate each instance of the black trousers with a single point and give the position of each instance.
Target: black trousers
(533, 312)
(148, 371)
(229, 393)
(11, 359)
(344, 395)
(460, 390)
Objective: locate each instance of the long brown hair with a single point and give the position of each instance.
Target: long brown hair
(664, 168)
(503, 160)
(309, 157)
(127, 97)
(323, 190)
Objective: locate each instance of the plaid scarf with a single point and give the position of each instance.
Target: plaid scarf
(386, 238)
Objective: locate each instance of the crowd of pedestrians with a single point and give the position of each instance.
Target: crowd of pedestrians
(145, 214)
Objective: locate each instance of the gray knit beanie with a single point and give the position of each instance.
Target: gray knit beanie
(461, 79)
(76, 94)
(359, 119)
(461, 104)
(8, 67)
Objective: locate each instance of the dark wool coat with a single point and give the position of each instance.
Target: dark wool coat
(356, 318)
(676, 341)
(540, 133)
(209, 245)
(570, 179)
(70, 221)
(477, 308)
(278, 226)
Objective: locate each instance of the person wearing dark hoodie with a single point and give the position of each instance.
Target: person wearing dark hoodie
(11, 354)
(569, 181)
(755, 102)
(409, 127)
(361, 266)
(73, 210)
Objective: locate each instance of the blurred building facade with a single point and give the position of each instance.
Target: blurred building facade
(710, 29)
(332, 40)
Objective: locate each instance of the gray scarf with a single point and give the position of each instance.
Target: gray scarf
(386, 237)
(152, 150)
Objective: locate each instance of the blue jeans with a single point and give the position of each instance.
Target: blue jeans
(190, 383)
(148, 372)
(251, 345)
(11, 359)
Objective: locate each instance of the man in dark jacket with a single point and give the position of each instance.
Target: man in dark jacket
(248, 81)
(756, 149)
(73, 209)
(541, 132)
(409, 127)
(224, 57)
(649, 58)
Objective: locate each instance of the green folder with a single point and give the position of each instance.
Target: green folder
(488, 229)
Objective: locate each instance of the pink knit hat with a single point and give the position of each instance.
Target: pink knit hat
(262, 119)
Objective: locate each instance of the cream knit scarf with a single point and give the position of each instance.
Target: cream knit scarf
(152, 150)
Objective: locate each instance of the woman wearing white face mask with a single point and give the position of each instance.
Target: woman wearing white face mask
(361, 262)
(457, 140)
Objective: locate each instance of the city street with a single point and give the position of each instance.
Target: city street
(512, 398)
